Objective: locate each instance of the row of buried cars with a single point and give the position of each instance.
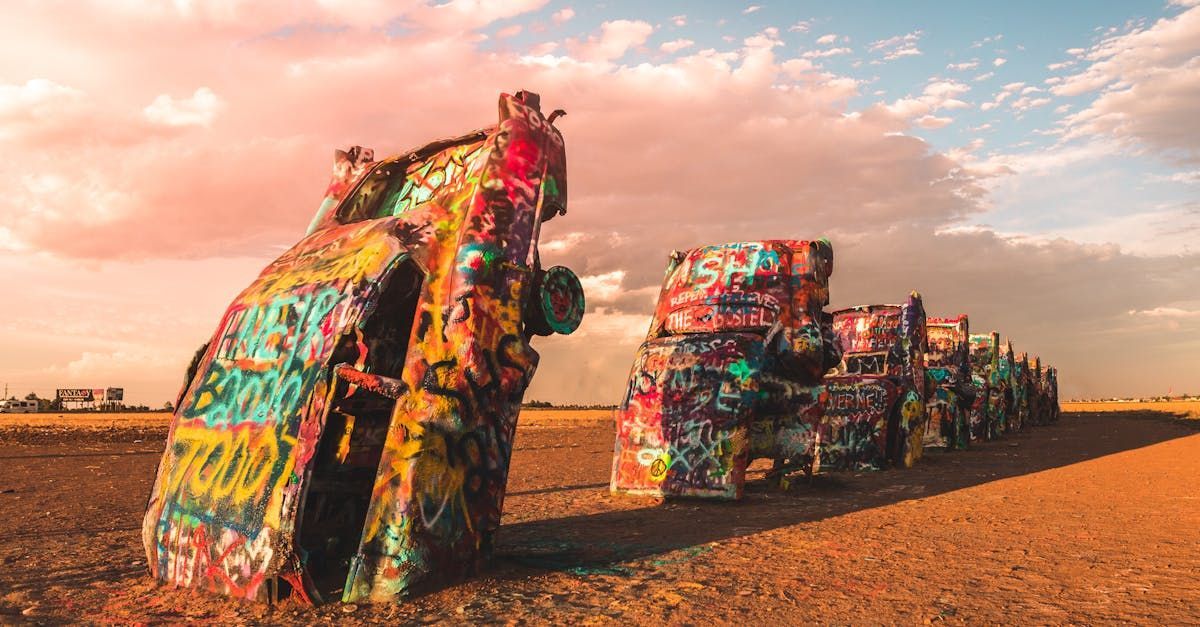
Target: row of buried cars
(742, 362)
(346, 431)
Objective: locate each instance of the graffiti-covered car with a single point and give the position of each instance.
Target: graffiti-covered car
(982, 346)
(1022, 389)
(729, 370)
(948, 367)
(1053, 410)
(885, 344)
(349, 425)
(992, 367)
(1043, 393)
(1000, 386)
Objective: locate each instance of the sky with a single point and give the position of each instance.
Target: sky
(1035, 165)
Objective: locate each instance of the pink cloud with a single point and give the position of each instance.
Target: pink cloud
(615, 39)
(701, 146)
(198, 110)
(563, 16)
(675, 45)
(932, 122)
(1148, 81)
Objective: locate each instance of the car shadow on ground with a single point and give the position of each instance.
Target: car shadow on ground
(608, 542)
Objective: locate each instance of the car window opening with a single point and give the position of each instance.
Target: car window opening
(351, 444)
(400, 186)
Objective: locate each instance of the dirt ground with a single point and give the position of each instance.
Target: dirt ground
(1092, 520)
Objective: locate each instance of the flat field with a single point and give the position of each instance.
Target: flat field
(102, 421)
(1091, 520)
(1179, 409)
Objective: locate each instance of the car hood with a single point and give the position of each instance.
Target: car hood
(248, 424)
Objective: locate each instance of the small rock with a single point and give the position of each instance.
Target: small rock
(349, 608)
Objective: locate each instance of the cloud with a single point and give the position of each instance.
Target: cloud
(512, 30)
(1148, 84)
(33, 97)
(828, 52)
(454, 16)
(1005, 93)
(1165, 312)
(198, 110)
(987, 40)
(800, 27)
(615, 39)
(679, 20)
(998, 61)
(1025, 103)
(602, 288)
(754, 8)
(826, 40)
(39, 107)
(898, 46)
(563, 16)
(669, 152)
(675, 45)
(1186, 178)
(965, 65)
(932, 122)
(937, 95)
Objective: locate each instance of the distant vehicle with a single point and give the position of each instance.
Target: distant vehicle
(15, 406)
(730, 370)
(948, 366)
(348, 429)
(885, 345)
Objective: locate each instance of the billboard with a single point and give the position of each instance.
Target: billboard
(91, 395)
(75, 394)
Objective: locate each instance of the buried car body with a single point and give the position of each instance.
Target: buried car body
(948, 366)
(885, 345)
(349, 426)
(729, 372)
